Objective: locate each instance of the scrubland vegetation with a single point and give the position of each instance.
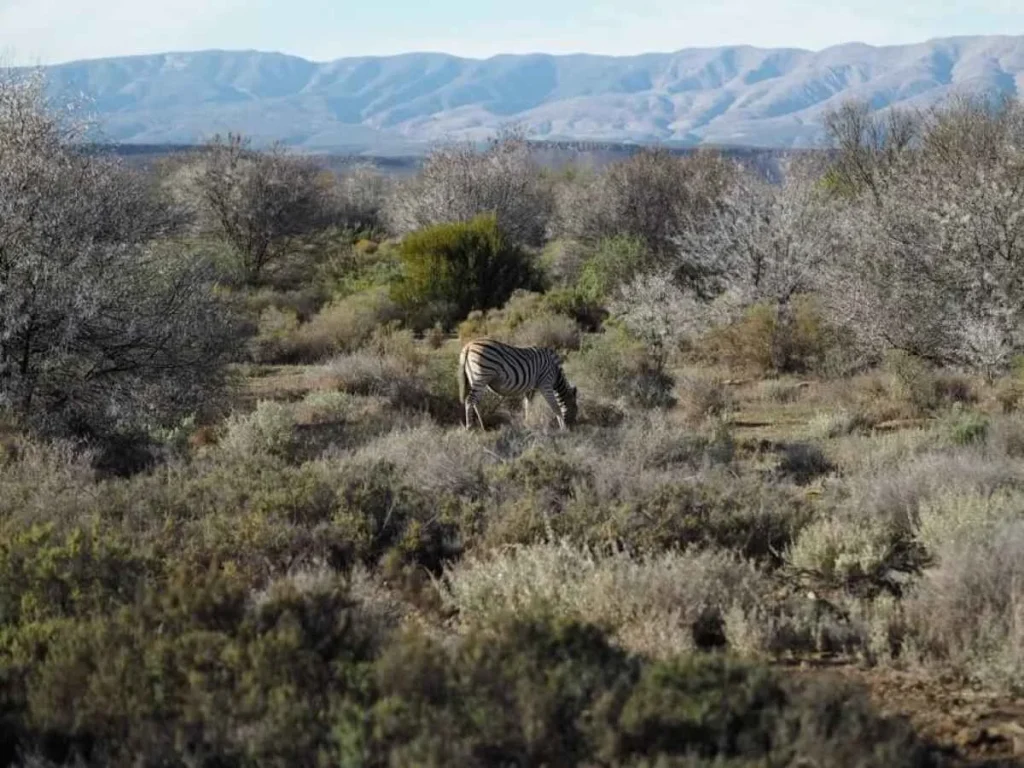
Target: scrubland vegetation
(241, 522)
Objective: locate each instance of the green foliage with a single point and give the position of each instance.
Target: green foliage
(758, 522)
(46, 575)
(549, 692)
(968, 428)
(760, 341)
(195, 672)
(526, 319)
(615, 261)
(619, 366)
(451, 269)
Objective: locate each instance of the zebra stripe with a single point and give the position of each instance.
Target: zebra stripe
(509, 371)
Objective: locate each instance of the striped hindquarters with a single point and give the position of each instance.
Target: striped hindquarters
(509, 370)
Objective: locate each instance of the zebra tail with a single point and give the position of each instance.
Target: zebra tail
(463, 378)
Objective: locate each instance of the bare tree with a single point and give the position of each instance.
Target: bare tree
(653, 195)
(765, 241)
(99, 330)
(763, 244)
(360, 196)
(457, 183)
(657, 311)
(868, 145)
(261, 202)
(936, 266)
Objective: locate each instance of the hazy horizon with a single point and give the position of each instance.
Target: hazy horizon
(46, 32)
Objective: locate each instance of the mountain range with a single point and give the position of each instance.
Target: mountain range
(738, 95)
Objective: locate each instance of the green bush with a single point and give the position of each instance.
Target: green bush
(806, 343)
(549, 692)
(618, 366)
(451, 269)
(195, 672)
(615, 261)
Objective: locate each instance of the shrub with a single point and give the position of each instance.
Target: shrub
(541, 691)
(704, 396)
(275, 337)
(966, 610)
(451, 269)
(849, 551)
(968, 428)
(432, 460)
(620, 367)
(196, 672)
(658, 605)
(803, 462)
(778, 391)
(913, 382)
(553, 331)
(270, 428)
(343, 326)
(830, 424)
(757, 340)
(526, 319)
(614, 262)
(743, 517)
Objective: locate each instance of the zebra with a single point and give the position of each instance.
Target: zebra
(509, 370)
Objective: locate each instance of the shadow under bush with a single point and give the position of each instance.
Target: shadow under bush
(549, 692)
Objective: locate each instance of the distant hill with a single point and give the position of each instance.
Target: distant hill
(398, 104)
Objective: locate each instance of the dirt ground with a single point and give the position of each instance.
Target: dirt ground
(973, 728)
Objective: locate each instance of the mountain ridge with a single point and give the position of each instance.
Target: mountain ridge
(725, 95)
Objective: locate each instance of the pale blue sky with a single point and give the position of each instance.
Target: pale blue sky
(49, 31)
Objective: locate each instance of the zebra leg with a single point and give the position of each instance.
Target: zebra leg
(549, 395)
(526, 407)
(471, 407)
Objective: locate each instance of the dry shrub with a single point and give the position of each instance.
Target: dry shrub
(660, 605)
(1008, 393)
(269, 429)
(866, 454)
(874, 539)
(1005, 436)
(526, 319)
(43, 481)
(303, 302)
(759, 343)
(370, 373)
(968, 610)
(654, 442)
(845, 550)
(432, 459)
(803, 462)
(275, 337)
(394, 366)
(832, 424)
(895, 495)
(704, 396)
(780, 391)
(554, 331)
(340, 327)
(347, 324)
(922, 390)
(618, 366)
